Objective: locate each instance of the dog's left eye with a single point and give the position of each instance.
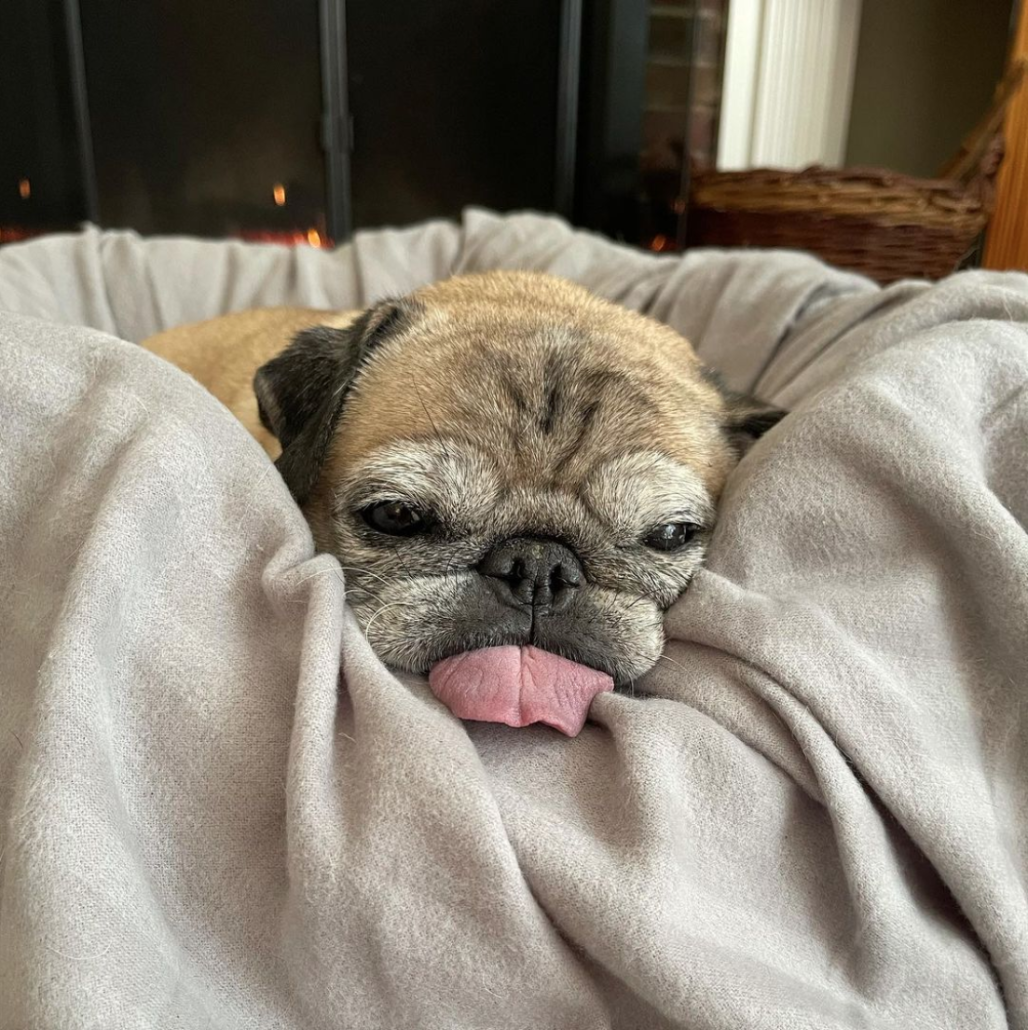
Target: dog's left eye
(671, 536)
(396, 518)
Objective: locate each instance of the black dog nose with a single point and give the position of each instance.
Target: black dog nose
(530, 571)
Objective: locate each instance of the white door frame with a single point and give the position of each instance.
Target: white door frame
(788, 83)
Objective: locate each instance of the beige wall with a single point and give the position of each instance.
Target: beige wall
(925, 73)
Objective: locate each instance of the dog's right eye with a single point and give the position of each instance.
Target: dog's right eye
(397, 518)
(672, 536)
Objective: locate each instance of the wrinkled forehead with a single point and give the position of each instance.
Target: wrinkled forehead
(464, 483)
(551, 402)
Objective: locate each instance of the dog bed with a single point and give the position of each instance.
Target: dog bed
(217, 807)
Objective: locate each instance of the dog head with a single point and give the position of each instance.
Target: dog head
(507, 459)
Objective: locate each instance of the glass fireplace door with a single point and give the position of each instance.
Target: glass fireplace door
(205, 116)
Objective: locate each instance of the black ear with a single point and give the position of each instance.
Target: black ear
(300, 393)
(750, 418)
(746, 419)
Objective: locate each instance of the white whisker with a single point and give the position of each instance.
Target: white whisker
(391, 604)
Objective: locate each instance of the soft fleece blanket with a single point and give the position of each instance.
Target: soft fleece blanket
(218, 809)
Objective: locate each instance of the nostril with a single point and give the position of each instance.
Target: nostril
(538, 572)
(515, 574)
(565, 575)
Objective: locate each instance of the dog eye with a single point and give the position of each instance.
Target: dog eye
(396, 518)
(671, 536)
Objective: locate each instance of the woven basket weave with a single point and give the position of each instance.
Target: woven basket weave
(886, 225)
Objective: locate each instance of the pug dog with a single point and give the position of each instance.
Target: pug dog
(495, 459)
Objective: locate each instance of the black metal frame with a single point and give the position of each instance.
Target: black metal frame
(336, 123)
(613, 73)
(569, 75)
(80, 101)
(336, 134)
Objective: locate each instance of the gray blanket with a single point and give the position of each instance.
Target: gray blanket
(218, 809)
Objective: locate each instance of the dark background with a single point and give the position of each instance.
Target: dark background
(304, 120)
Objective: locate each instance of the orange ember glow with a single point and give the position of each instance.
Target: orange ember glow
(278, 191)
(290, 238)
(659, 242)
(314, 237)
(24, 189)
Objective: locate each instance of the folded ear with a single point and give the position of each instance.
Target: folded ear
(300, 393)
(746, 418)
(749, 418)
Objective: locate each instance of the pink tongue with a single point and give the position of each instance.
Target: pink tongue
(518, 686)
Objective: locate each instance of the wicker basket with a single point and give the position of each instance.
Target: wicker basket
(886, 225)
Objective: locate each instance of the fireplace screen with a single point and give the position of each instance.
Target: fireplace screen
(302, 120)
(205, 116)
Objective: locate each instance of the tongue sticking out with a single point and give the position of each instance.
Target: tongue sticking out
(518, 686)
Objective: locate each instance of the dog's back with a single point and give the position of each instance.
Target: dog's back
(223, 354)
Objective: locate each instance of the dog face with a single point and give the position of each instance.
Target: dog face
(507, 459)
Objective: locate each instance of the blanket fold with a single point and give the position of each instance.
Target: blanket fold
(218, 808)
